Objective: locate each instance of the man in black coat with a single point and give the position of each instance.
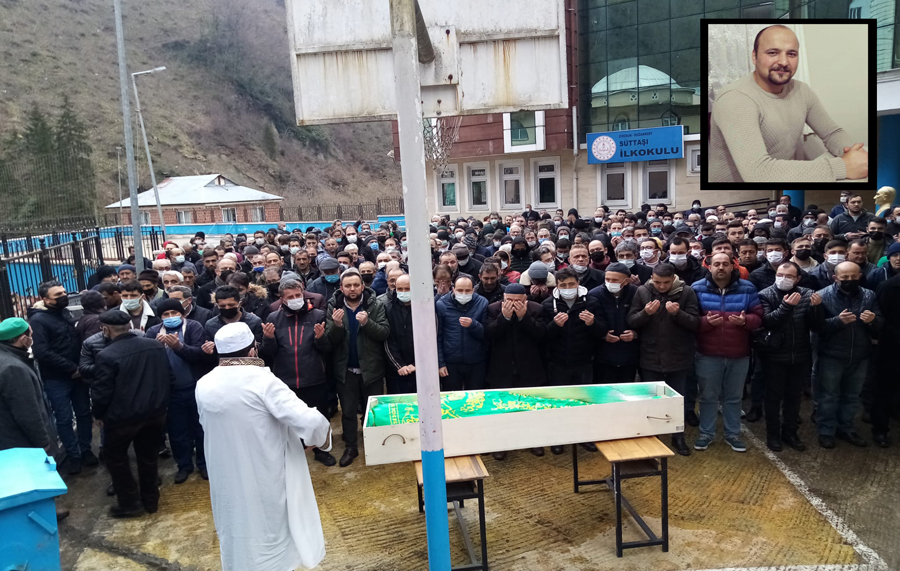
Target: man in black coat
(617, 357)
(579, 260)
(886, 379)
(400, 344)
(130, 396)
(515, 330)
(489, 286)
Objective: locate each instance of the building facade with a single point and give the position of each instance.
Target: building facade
(632, 64)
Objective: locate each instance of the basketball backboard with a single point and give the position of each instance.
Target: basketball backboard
(490, 56)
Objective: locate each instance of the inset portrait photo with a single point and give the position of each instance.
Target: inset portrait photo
(789, 102)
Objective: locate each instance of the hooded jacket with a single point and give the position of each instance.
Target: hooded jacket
(727, 339)
(458, 344)
(369, 340)
(574, 343)
(296, 355)
(667, 341)
(788, 326)
(848, 341)
(613, 311)
(516, 346)
(519, 263)
(56, 345)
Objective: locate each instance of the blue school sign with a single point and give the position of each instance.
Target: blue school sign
(636, 145)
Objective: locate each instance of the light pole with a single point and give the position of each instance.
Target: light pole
(119, 174)
(137, 103)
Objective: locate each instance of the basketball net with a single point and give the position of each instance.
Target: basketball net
(440, 134)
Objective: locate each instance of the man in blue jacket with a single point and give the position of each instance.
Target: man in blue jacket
(462, 350)
(183, 339)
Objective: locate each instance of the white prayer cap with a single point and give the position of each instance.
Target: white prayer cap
(234, 337)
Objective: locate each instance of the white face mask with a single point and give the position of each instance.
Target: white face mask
(613, 287)
(551, 266)
(463, 298)
(784, 283)
(697, 253)
(843, 200)
(774, 257)
(647, 254)
(404, 296)
(568, 293)
(179, 259)
(503, 265)
(579, 269)
(597, 219)
(531, 243)
(835, 259)
(627, 263)
(459, 235)
(381, 265)
(351, 238)
(131, 304)
(678, 260)
(496, 243)
(777, 224)
(295, 304)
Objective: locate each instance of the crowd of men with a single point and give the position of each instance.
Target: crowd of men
(715, 303)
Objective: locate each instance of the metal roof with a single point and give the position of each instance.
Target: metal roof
(197, 190)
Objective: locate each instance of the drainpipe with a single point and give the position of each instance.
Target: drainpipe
(576, 149)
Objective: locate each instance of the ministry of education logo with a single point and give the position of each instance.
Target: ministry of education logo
(603, 148)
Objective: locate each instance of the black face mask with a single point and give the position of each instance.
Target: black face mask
(273, 289)
(150, 293)
(803, 255)
(820, 242)
(520, 253)
(598, 257)
(876, 235)
(62, 302)
(849, 286)
(229, 313)
(225, 275)
(368, 278)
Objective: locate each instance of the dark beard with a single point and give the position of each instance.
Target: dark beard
(776, 80)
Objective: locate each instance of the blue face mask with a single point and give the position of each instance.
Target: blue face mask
(258, 269)
(332, 278)
(615, 234)
(656, 230)
(172, 322)
(374, 245)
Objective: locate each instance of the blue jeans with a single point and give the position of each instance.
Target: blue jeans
(70, 398)
(721, 379)
(840, 382)
(185, 431)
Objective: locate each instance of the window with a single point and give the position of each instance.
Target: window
(523, 131)
(477, 175)
(545, 177)
(229, 215)
(257, 214)
(145, 218)
(511, 174)
(693, 161)
(614, 184)
(183, 217)
(657, 181)
(621, 123)
(447, 189)
(669, 119)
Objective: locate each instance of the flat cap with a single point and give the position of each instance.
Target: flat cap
(618, 269)
(115, 317)
(329, 264)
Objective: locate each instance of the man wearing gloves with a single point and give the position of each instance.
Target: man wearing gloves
(255, 430)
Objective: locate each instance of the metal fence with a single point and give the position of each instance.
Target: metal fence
(326, 212)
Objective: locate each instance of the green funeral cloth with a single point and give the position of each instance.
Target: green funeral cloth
(403, 409)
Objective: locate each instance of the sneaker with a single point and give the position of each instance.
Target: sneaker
(691, 418)
(736, 443)
(88, 459)
(702, 442)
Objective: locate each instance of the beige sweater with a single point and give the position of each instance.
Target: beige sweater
(754, 134)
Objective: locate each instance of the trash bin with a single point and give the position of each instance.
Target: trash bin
(28, 533)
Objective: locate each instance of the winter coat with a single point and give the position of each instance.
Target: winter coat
(574, 343)
(255, 302)
(764, 276)
(133, 381)
(491, 297)
(87, 365)
(199, 314)
(879, 275)
(379, 282)
(399, 347)
(851, 341)
(516, 347)
(613, 312)
(785, 337)
(592, 278)
(87, 325)
(24, 420)
(325, 288)
(254, 323)
(296, 355)
(192, 337)
(667, 341)
(822, 275)
(369, 340)
(888, 297)
(727, 339)
(458, 344)
(56, 345)
(844, 223)
(690, 273)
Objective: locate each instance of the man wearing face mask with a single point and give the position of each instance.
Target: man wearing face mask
(878, 241)
(294, 342)
(616, 358)
(597, 252)
(228, 303)
(805, 227)
(462, 349)
(687, 267)
(224, 268)
(520, 254)
(183, 339)
(852, 317)
(192, 311)
(835, 252)
(579, 260)
(327, 283)
(820, 237)
(776, 253)
(465, 259)
(400, 344)
(801, 254)
(790, 314)
(840, 207)
(627, 254)
(135, 305)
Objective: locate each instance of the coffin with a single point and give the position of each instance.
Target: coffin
(480, 422)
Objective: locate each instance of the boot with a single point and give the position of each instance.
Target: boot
(680, 445)
(349, 455)
(755, 414)
(792, 440)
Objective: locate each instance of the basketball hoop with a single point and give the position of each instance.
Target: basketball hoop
(440, 134)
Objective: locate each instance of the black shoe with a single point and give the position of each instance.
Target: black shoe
(881, 440)
(589, 446)
(73, 466)
(826, 441)
(755, 414)
(324, 457)
(498, 456)
(691, 418)
(182, 476)
(538, 451)
(136, 510)
(151, 509)
(680, 445)
(867, 417)
(61, 513)
(165, 452)
(852, 437)
(557, 450)
(774, 444)
(793, 441)
(111, 489)
(349, 455)
(89, 460)
(205, 475)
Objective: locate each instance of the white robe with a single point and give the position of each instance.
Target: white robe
(263, 503)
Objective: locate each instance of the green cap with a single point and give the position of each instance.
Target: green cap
(12, 328)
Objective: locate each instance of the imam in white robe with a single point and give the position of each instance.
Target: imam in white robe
(263, 503)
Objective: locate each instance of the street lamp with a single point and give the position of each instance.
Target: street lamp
(137, 102)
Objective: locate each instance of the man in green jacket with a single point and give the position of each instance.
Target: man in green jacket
(356, 325)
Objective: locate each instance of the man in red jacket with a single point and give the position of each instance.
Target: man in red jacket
(730, 310)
